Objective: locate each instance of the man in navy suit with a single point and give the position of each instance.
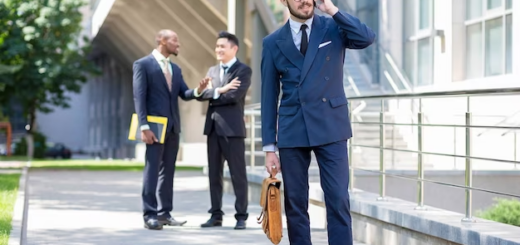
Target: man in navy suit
(157, 84)
(306, 57)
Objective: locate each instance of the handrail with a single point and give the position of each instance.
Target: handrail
(481, 92)
(503, 121)
(421, 125)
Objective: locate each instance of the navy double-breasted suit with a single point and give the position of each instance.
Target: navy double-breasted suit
(312, 115)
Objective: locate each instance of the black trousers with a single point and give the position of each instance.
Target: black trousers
(158, 172)
(232, 149)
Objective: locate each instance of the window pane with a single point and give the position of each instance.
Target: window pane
(491, 4)
(474, 51)
(424, 69)
(494, 47)
(509, 43)
(473, 9)
(424, 14)
(509, 4)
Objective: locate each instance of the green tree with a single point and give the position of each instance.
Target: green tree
(43, 37)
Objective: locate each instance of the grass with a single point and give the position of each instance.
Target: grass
(13, 158)
(96, 165)
(8, 192)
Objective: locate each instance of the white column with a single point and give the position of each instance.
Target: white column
(231, 16)
(516, 38)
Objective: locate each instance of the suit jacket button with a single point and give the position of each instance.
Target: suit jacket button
(327, 78)
(328, 58)
(324, 100)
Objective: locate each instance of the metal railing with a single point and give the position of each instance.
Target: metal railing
(252, 112)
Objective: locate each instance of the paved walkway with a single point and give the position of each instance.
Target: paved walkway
(98, 208)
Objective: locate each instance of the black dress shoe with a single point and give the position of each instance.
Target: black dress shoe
(171, 221)
(241, 224)
(152, 224)
(213, 222)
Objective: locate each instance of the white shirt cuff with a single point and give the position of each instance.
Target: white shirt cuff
(195, 93)
(145, 127)
(216, 95)
(270, 148)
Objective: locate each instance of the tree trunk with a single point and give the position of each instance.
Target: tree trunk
(29, 137)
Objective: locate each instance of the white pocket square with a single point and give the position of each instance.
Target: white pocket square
(324, 44)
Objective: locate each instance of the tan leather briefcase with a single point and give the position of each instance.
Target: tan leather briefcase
(271, 216)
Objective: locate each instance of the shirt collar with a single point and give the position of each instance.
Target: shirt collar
(159, 57)
(229, 63)
(295, 25)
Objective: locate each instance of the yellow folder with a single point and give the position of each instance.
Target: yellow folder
(157, 125)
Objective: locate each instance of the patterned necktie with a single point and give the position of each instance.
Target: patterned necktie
(304, 42)
(224, 70)
(167, 74)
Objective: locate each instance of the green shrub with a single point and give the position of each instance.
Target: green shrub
(40, 146)
(505, 211)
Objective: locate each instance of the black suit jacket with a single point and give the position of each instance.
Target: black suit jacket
(226, 114)
(151, 94)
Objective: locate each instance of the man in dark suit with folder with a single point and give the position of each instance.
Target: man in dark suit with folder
(157, 84)
(225, 128)
(305, 57)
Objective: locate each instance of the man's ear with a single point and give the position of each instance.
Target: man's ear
(284, 2)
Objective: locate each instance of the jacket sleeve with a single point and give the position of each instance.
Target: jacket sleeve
(232, 96)
(354, 33)
(139, 90)
(184, 92)
(270, 91)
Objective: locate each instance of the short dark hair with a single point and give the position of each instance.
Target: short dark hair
(230, 37)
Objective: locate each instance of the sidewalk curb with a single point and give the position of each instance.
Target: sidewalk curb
(18, 235)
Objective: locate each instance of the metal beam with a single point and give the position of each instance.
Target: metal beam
(147, 26)
(190, 31)
(211, 19)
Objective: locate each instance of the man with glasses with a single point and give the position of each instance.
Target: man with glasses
(306, 57)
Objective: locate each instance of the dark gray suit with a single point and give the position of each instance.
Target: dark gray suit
(152, 97)
(225, 128)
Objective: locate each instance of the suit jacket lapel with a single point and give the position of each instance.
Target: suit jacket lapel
(317, 34)
(215, 76)
(287, 47)
(230, 70)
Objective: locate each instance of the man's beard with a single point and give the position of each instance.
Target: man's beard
(301, 16)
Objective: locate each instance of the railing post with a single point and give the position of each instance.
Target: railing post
(515, 145)
(382, 176)
(252, 140)
(350, 152)
(469, 168)
(454, 147)
(420, 169)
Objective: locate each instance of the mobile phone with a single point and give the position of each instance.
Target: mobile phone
(317, 3)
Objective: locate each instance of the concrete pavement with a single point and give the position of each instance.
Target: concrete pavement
(98, 208)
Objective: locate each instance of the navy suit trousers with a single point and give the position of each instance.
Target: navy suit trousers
(334, 179)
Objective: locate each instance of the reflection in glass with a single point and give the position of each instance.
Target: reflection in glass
(509, 44)
(491, 4)
(473, 9)
(494, 47)
(424, 14)
(474, 51)
(509, 4)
